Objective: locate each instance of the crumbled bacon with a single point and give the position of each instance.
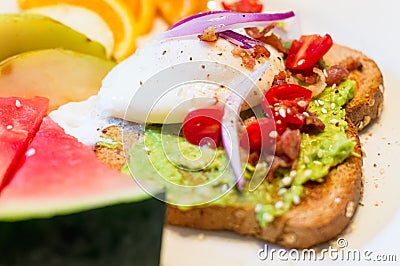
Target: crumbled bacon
(335, 74)
(308, 79)
(312, 124)
(267, 37)
(280, 78)
(209, 35)
(278, 162)
(261, 51)
(249, 56)
(288, 146)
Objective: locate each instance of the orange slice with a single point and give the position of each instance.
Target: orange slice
(144, 12)
(116, 13)
(174, 10)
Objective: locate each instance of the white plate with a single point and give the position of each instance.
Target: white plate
(369, 26)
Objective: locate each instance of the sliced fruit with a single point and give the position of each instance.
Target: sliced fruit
(26, 32)
(144, 12)
(20, 119)
(174, 10)
(80, 19)
(61, 75)
(60, 175)
(115, 13)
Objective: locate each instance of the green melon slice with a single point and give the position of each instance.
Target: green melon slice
(60, 176)
(20, 119)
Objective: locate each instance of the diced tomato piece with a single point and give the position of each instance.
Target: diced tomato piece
(245, 6)
(307, 51)
(287, 102)
(203, 127)
(260, 135)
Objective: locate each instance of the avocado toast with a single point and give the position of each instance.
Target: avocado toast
(325, 208)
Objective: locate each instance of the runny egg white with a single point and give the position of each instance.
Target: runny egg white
(164, 80)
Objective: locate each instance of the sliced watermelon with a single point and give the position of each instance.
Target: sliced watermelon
(60, 175)
(20, 119)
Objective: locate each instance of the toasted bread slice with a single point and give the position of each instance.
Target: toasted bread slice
(324, 212)
(367, 103)
(326, 208)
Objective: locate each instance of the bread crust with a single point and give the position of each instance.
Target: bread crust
(324, 212)
(367, 104)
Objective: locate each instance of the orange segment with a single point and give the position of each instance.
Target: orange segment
(174, 10)
(116, 13)
(144, 12)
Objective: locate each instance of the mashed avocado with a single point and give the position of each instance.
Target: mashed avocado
(157, 156)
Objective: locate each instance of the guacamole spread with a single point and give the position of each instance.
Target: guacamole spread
(206, 172)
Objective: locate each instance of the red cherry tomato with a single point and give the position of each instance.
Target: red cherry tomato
(307, 51)
(260, 135)
(203, 127)
(244, 6)
(287, 102)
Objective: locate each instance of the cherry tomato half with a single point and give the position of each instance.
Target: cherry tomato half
(245, 6)
(203, 127)
(260, 135)
(307, 51)
(287, 102)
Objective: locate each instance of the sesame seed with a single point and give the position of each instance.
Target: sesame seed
(324, 111)
(337, 200)
(301, 62)
(306, 159)
(307, 173)
(302, 103)
(282, 191)
(350, 209)
(282, 112)
(279, 122)
(325, 73)
(321, 102)
(317, 162)
(316, 103)
(293, 173)
(320, 153)
(224, 188)
(9, 127)
(333, 86)
(30, 152)
(296, 200)
(258, 207)
(334, 121)
(18, 103)
(286, 181)
(267, 217)
(279, 205)
(306, 114)
(273, 134)
(333, 106)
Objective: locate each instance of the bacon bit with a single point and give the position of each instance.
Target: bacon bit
(209, 35)
(288, 146)
(255, 33)
(261, 51)
(280, 78)
(313, 125)
(278, 162)
(335, 74)
(309, 79)
(249, 56)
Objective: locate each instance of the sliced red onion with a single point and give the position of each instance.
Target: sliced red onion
(199, 15)
(239, 39)
(222, 21)
(230, 121)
